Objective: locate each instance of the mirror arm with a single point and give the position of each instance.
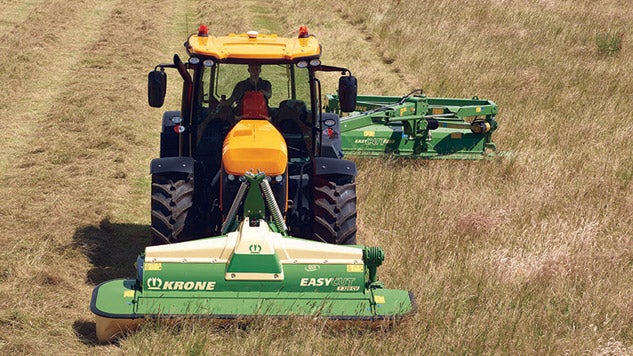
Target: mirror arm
(324, 68)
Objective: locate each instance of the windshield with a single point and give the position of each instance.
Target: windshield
(285, 90)
(227, 82)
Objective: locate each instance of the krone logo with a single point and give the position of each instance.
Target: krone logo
(154, 283)
(255, 248)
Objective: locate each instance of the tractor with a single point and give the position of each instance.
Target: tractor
(209, 143)
(253, 206)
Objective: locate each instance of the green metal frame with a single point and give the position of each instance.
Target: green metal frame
(405, 126)
(201, 289)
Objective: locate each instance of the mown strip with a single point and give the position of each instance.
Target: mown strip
(76, 96)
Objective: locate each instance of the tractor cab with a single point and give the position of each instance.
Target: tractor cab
(281, 94)
(252, 104)
(219, 67)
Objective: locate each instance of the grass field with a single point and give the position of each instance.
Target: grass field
(528, 253)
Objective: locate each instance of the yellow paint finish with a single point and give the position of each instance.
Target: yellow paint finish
(153, 266)
(254, 145)
(268, 47)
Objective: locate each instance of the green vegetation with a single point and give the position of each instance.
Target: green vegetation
(609, 43)
(529, 253)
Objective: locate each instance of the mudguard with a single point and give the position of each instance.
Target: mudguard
(327, 165)
(172, 164)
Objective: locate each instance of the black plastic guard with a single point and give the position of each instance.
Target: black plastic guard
(172, 164)
(327, 165)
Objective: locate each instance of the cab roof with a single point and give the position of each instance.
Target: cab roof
(253, 46)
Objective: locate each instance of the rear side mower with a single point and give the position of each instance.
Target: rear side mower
(417, 126)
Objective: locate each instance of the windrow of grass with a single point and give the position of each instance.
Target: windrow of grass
(74, 162)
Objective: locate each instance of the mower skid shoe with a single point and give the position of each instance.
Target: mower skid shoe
(109, 329)
(115, 323)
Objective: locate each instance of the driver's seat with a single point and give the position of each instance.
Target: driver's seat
(254, 106)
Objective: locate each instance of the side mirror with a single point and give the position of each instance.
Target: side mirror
(347, 86)
(156, 88)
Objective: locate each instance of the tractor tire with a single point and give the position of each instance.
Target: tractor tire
(334, 210)
(172, 199)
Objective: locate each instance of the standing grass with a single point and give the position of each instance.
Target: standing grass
(526, 253)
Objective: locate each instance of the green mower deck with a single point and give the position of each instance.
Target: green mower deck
(417, 126)
(253, 271)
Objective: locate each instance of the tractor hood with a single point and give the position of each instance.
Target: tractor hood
(254, 145)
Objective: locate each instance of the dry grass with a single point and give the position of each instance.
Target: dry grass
(527, 253)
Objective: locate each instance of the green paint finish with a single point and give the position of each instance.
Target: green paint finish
(378, 140)
(382, 303)
(203, 278)
(201, 289)
(254, 205)
(181, 287)
(116, 297)
(389, 125)
(254, 263)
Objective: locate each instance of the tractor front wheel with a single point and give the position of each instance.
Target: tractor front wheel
(172, 198)
(334, 209)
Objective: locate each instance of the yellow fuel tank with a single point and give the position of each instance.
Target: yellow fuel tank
(254, 145)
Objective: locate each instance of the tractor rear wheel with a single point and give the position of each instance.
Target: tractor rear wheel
(334, 210)
(172, 198)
